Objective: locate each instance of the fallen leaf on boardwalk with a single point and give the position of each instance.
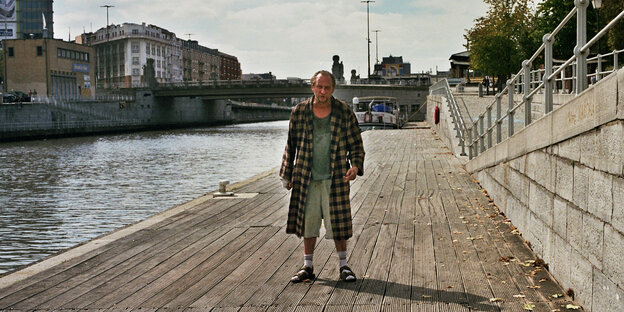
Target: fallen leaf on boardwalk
(534, 287)
(525, 264)
(495, 299)
(557, 295)
(365, 276)
(465, 222)
(456, 232)
(543, 280)
(555, 310)
(519, 296)
(515, 232)
(426, 296)
(450, 286)
(572, 307)
(462, 217)
(505, 259)
(528, 306)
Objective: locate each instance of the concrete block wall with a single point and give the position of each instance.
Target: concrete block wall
(561, 183)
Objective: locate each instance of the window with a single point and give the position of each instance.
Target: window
(11, 51)
(135, 60)
(135, 48)
(158, 63)
(147, 49)
(135, 31)
(158, 51)
(135, 72)
(58, 52)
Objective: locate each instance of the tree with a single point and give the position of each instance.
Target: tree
(498, 41)
(548, 16)
(609, 10)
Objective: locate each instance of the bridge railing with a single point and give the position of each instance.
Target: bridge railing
(237, 83)
(527, 82)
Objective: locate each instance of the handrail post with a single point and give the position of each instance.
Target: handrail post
(470, 143)
(510, 112)
(482, 133)
(499, 136)
(548, 84)
(489, 125)
(581, 39)
(599, 68)
(615, 60)
(527, 90)
(475, 143)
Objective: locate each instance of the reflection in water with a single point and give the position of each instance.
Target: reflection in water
(55, 194)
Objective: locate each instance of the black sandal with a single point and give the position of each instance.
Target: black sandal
(347, 275)
(304, 274)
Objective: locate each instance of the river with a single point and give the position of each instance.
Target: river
(55, 194)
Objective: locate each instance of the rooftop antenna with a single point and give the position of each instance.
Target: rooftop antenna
(189, 36)
(376, 31)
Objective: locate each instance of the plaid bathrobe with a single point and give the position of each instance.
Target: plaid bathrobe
(346, 150)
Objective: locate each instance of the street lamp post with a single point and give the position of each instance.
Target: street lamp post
(107, 63)
(597, 4)
(368, 31)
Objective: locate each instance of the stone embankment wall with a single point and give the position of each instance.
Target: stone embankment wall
(561, 182)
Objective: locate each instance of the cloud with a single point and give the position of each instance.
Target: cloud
(295, 37)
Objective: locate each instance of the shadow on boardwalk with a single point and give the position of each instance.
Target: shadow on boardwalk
(414, 293)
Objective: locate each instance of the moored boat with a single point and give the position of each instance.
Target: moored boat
(376, 112)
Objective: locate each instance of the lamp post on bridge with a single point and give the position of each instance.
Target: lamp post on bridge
(368, 32)
(106, 49)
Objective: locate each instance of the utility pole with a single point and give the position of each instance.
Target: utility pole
(189, 36)
(368, 31)
(106, 49)
(376, 31)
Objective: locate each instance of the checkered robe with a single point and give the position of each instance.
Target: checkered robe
(347, 150)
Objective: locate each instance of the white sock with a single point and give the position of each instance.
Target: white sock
(342, 255)
(307, 261)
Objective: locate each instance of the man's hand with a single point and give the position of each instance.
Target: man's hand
(286, 184)
(351, 174)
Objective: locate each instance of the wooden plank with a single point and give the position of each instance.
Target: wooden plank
(186, 290)
(238, 275)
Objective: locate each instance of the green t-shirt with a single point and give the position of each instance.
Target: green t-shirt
(321, 151)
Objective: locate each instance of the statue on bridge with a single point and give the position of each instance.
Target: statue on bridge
(338, 69)
(149, 75)
(354, 78)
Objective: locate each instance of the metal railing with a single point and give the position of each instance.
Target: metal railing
(528, 82)
(442, 88)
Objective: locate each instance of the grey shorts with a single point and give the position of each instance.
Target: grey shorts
(317, 209)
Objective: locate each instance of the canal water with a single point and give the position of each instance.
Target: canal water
(55, 194)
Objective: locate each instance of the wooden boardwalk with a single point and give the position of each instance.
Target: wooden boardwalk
(426, 238)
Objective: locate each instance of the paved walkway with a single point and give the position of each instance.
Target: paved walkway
(426, 238)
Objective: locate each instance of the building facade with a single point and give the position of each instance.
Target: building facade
(199, 63)
(50, 67)
(34, 19)
(121, 53)
(392, 66)
(23, 19)
(230, 67)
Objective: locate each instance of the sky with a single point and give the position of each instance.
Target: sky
(294, 38)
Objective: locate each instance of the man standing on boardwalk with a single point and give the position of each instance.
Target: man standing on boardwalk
(323, 153)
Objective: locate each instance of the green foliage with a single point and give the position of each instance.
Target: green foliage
(615, 37)
(497, 41)
(548, 16)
